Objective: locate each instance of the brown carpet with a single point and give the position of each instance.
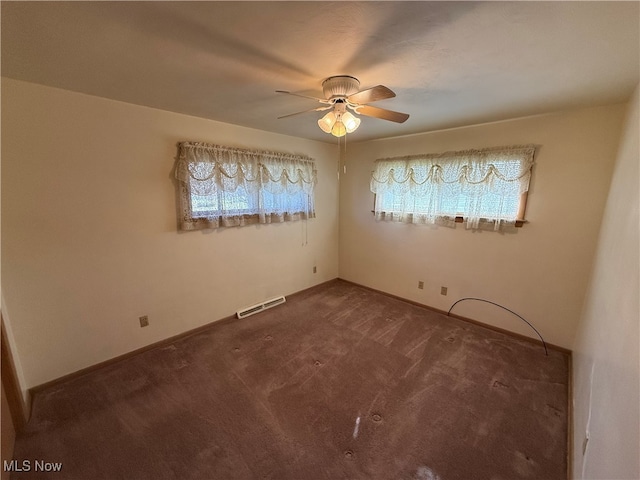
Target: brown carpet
(338, 383)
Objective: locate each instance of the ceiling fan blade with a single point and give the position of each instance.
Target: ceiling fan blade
(303, 96)
(317, 109)
(382, 113)
(372, 94)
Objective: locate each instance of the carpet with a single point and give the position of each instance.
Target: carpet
(340, 382)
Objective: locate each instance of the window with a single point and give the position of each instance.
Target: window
(222, 187)
(481, 187)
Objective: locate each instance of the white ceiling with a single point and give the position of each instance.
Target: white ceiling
(450, 63)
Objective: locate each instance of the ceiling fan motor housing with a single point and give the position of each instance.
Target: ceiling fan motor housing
(340, 86)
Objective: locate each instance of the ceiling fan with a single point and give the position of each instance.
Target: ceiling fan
(343, 92)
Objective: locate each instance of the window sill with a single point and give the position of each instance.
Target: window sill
(518, 223)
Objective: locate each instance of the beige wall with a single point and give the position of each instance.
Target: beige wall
(606, 368)
(541, 271)
(89, 230)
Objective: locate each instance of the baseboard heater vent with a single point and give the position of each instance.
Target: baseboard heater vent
(260, 307)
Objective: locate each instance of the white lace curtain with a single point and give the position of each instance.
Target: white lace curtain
(222, 186)
(484, 186)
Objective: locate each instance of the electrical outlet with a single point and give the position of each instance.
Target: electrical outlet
(421, 285)
(314, 269)
(144, 321)
(443, 290)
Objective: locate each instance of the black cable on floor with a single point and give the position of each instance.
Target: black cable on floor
(546, 352)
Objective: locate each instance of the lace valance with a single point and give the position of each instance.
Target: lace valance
(481, 185)
(224, 186)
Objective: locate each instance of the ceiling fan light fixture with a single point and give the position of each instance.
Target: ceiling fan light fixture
(339, 124)
(338, 130)
(326, 123)
(351, 122)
